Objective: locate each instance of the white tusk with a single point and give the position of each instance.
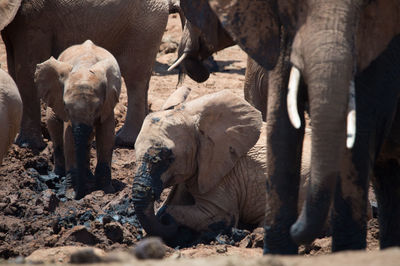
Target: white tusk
(293, 89)
(177, 62)
(351, 117)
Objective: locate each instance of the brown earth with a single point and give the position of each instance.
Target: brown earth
(35, 212)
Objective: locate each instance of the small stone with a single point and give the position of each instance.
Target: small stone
(222, 249)
(150, 248)
(107, 219)
(81, 234)
(114, 232)
(50, 200)
(87, 255)
(19, 260)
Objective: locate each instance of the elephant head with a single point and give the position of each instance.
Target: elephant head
(323, 54)
(200, 39)
(8, 10)
(81, 96)
(199, 141)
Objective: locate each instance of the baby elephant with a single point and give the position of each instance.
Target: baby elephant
(211, 150)
(81, 89)
(10, 112)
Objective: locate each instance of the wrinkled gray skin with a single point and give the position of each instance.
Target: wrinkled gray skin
(256, 86)
(81, 89)
(44, 28)
(200, 43)
(10, 112)
(10, 99)
(211, 185)
(320, 39)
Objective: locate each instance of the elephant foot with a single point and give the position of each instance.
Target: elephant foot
(59, 170)
(31, 141)
(125, 138)
(103, 178)
(184, 235)
(109, 189)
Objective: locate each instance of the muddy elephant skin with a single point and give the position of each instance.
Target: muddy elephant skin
(10, 112)
(81, 89)
(212, 152)
(199, 41)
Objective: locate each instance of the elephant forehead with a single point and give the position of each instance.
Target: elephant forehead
(82, 75)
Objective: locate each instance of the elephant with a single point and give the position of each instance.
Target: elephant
(198, 43)
(10, 112)
(212, 151)
(256, 83)
(81, 89)
(322, 53)
(44, 28)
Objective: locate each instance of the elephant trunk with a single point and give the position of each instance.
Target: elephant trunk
(81, 133)
(198, 44)
(328, 71)
(146, 188)
(190, 47)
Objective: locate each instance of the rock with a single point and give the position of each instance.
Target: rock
(254, 240)
(107, 219)
(221, 249)
(86, 255)
(114, 232)
(49, 199)
(150, 248)
(80, 234)
(39, 164)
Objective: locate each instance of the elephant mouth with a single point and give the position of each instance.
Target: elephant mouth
(195, 69)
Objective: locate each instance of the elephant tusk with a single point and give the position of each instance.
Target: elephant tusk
(293, 89)
(177, 62)
(351, 117)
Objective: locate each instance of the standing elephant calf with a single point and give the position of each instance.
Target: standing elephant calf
(211, 150)
(10, 112)
(81, 89)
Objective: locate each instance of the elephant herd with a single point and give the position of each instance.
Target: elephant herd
(337, 60)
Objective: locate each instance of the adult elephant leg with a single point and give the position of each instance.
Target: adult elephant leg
(56, 131)
(104, 147)
(284, 144)
(376, 98)
(256, 86)
(136, 65)
(386, 182)
(349, 214)
(25, 57)
(386, 178)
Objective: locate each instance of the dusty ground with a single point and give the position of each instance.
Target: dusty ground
(34, 210)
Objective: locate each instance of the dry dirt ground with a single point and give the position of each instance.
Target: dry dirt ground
(36, 214)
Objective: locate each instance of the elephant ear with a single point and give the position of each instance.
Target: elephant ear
(108, 70)
(8, 10)
(177, 97)
(228, 127)
(49, 78)
(254, 25)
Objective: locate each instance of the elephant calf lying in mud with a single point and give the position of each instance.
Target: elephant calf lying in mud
(212, 151)
(10, 112)
(81, 89)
